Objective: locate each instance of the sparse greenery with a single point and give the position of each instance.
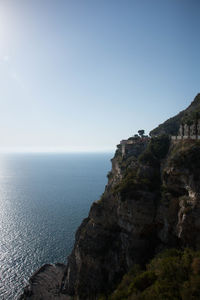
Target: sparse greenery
(190, 118)
(171, 275)
(171, 126)
(128, 186)
(157, 149)
(186, 155)
(134, 180)
(109, 175)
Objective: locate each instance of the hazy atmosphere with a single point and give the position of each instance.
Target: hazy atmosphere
(82, 75)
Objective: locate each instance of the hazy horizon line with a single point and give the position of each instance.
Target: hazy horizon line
(5, 150)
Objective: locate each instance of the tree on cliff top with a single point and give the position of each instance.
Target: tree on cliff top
(141, 132)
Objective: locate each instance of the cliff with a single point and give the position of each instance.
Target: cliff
(151, 202)
(171, 126)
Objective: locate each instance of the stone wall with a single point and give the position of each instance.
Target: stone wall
(188, 132)
(185, 137)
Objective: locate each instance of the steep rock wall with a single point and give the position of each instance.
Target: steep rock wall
(151, 202)
(146, 207)
(120, 229)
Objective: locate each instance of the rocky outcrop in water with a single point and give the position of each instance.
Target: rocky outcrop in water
(46, 283)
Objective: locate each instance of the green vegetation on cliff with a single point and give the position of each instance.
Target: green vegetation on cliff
(186, 155)
(171, 275)
(145, 175)
(157, 149)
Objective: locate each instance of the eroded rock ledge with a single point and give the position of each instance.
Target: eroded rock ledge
(46, 283)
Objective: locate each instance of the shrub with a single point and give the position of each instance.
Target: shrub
(142, 281)
(196, 266)
(157, 149)
(147, 157)
(171, 275)
(159, 146)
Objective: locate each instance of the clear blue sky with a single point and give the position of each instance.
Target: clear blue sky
(84, 74)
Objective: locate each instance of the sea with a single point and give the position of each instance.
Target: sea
(43, 199)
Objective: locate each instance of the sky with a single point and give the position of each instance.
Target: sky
(80, 75)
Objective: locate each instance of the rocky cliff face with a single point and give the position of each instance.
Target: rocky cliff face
(171, 126)
(151, 202)
(115, 235)
(146, 207)
(180, 207)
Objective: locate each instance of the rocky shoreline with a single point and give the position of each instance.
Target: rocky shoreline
(46, 283)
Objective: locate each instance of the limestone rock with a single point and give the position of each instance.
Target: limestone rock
(46, 284)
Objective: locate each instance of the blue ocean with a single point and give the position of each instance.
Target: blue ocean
(43, 199)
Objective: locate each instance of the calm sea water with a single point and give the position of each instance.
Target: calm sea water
(43, 199)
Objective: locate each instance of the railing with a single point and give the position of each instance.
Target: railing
(185, 137)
